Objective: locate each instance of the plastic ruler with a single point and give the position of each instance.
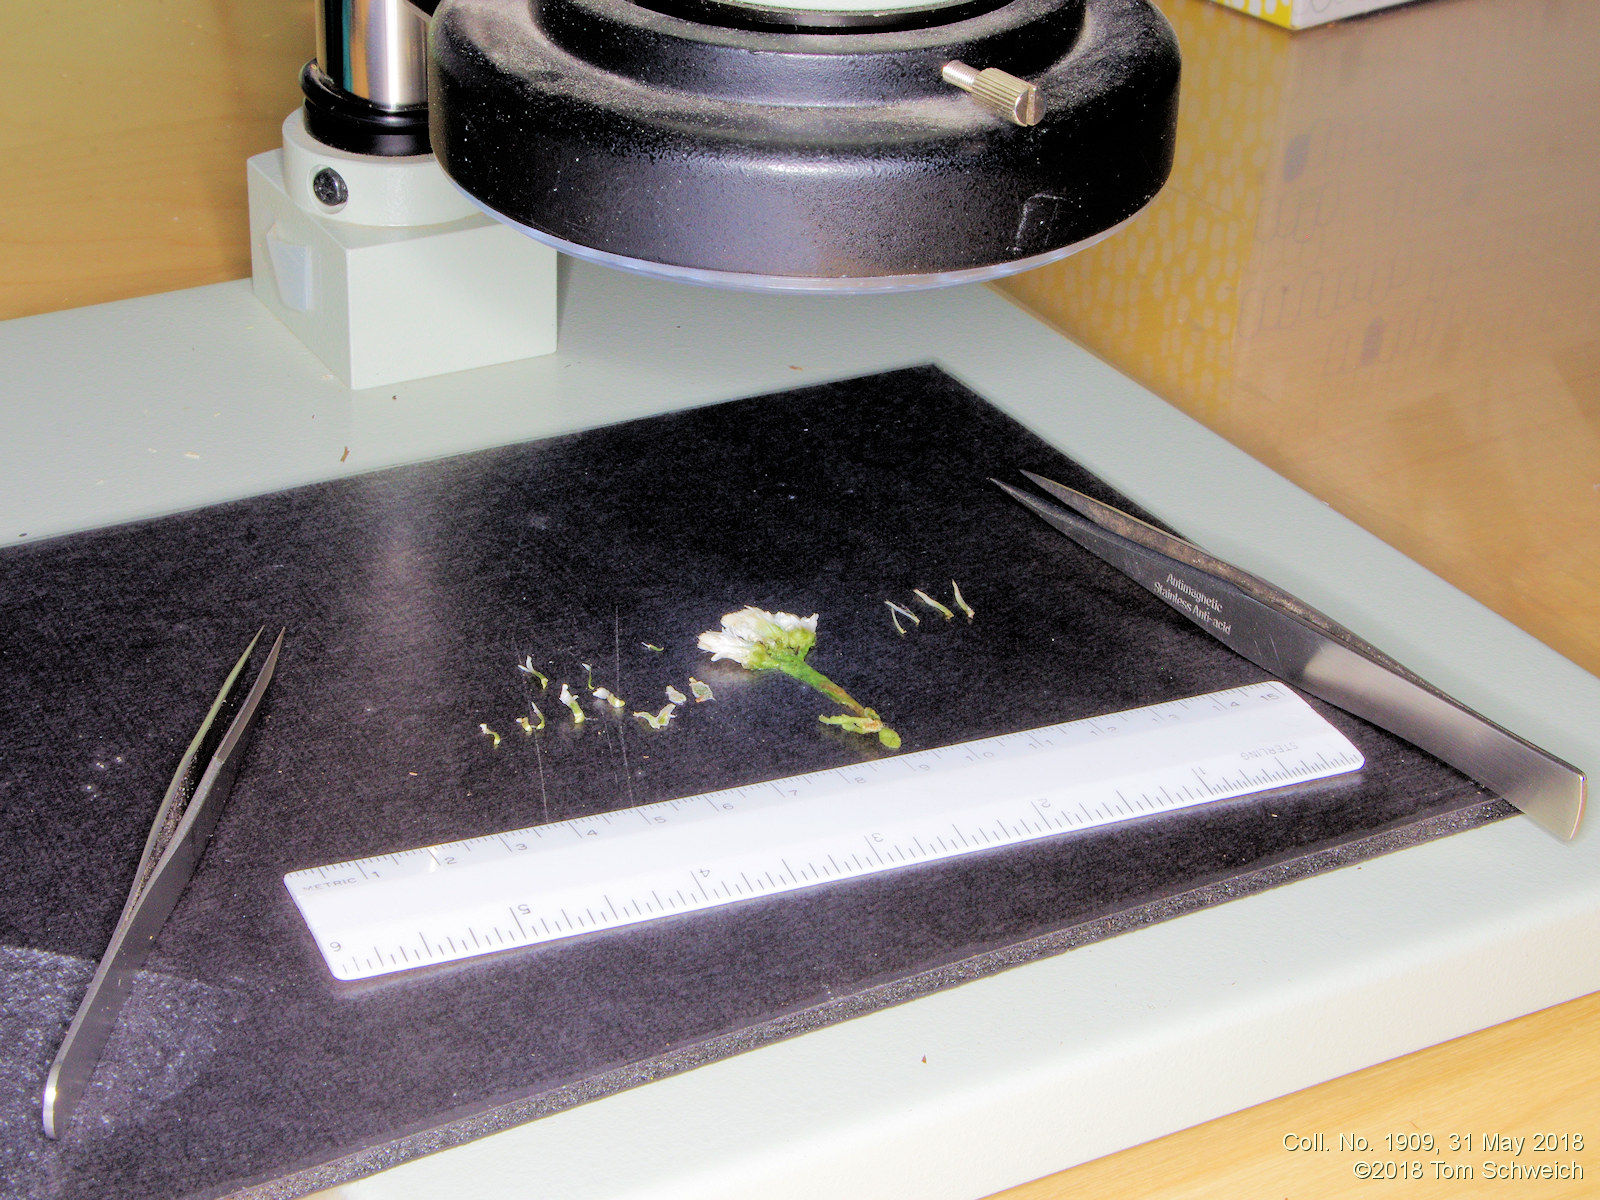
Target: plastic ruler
(439, 903)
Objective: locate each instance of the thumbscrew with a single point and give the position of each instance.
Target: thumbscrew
(1000, 92)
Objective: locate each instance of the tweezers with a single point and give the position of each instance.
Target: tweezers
(1312, 652)
(178, 837)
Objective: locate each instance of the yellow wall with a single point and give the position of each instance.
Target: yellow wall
(1161, 299)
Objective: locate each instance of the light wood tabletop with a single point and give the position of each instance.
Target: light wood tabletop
(1374, 269)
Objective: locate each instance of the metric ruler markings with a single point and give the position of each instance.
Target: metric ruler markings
(459, 899)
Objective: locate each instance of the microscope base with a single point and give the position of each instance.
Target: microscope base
(384, 303)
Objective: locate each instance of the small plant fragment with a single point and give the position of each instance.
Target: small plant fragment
(762, 641)
(658, 720)
(961, 603)
(527, 725)
(933, 604)
(571, 702)
(527, 668)
(588, 676)
(896, 611)
(605, 694)
(864, 724)
(537, 713)
(702, 691)
(483, 728)
(652, 647)
(676, 696)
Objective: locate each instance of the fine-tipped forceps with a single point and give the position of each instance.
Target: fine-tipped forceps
(1316, 654)
(178, 837)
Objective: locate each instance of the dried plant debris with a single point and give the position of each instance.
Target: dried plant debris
(758, 641)
(660, 719)
(766, 641)
(896, 611)
(961, 602)
(573, 707)
(941, 609)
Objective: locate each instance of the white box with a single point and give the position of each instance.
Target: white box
(1302, 14)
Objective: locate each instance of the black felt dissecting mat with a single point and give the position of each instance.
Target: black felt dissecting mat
(409, 596)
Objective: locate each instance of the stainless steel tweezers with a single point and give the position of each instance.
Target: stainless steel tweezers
(1314, 653)
(178, 837)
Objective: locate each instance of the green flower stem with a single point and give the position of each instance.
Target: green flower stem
(761, 641)
(865, 720)
(811, 677)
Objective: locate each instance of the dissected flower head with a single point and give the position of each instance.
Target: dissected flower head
(763, 641)
(753, 637)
